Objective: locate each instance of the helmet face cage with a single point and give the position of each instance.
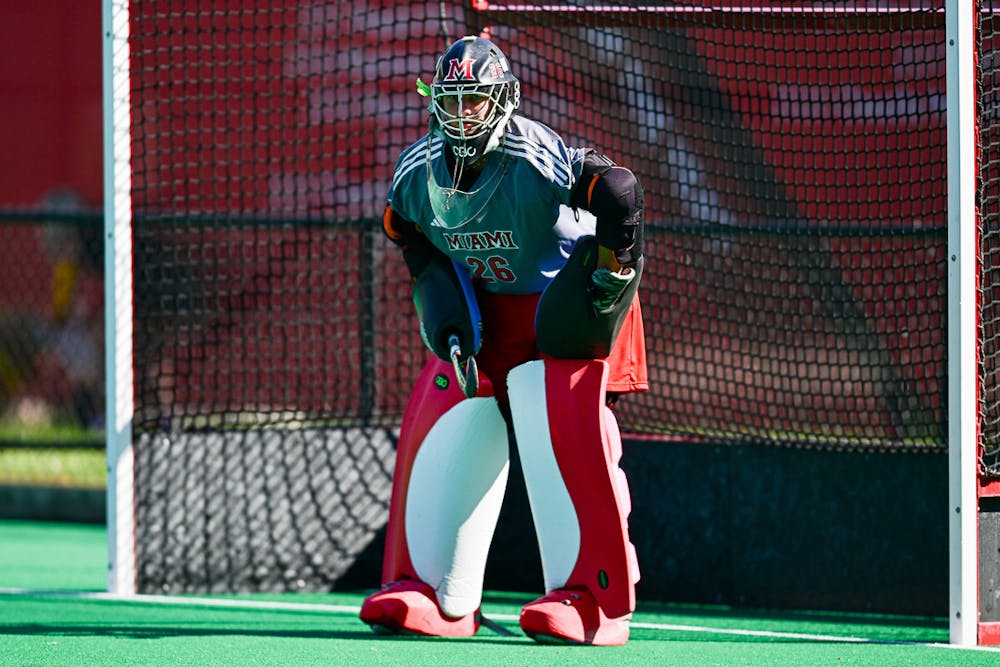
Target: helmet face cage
(473, 95)
(459, 112)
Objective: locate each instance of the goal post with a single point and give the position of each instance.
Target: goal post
(118, 297)
(963, 420)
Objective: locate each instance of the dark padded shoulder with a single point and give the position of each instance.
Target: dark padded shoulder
(616, 199)
(595, 163)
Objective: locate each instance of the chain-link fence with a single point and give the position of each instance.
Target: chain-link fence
(52, 324)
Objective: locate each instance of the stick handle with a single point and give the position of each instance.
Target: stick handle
(468, 380)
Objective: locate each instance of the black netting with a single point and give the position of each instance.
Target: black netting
(257, 510)
(794, 164)
(988, 205)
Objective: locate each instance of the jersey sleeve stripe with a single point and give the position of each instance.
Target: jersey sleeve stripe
(417, 157)
(542, 160)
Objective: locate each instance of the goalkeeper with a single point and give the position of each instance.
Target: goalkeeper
(525, 256)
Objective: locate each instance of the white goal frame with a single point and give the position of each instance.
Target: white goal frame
(962, 334)
(118, 297)
(962, 330)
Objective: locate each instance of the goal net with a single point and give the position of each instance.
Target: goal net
(976, 567)
(988, 228)
(794, 161)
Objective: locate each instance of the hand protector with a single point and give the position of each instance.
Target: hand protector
(607, 287)
(580, 313)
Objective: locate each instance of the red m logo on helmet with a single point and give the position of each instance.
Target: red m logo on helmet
(459, 70)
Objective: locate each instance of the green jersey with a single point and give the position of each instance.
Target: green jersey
(515, 229)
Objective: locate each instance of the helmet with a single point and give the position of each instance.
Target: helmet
(473, 95)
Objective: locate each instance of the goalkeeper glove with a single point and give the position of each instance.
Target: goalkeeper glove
(607, 287)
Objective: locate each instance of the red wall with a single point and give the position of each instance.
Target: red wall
(50, 99)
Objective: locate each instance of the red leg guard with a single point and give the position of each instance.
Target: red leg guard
(435, 392)
(570, 448)
(451, 473)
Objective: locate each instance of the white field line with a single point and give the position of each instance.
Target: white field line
(349, 609)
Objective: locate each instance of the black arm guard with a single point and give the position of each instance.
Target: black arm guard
(446, 306)
(615, 197)
(444, 298)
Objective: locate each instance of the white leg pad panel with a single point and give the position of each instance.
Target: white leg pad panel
(551, 505)
(456, 488)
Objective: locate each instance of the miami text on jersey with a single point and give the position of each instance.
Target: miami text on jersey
(481, 240)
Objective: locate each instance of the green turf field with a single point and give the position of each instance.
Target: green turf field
(53, 611)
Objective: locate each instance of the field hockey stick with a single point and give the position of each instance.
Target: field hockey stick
(468, 379)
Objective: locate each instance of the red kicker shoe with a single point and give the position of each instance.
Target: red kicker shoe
(410, 607)
(571, 616)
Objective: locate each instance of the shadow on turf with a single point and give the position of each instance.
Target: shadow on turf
(711, 612)
(147, 631)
